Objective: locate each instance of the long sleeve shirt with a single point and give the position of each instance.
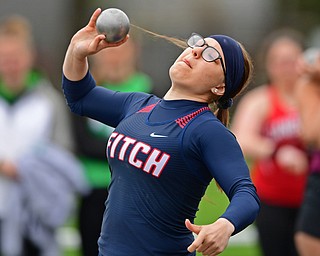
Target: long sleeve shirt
(162, 154)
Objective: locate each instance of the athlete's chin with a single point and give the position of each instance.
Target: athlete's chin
(178, 73)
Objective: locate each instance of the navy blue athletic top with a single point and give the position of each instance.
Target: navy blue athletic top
(162, 156)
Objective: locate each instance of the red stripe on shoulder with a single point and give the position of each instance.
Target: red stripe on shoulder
(147, 108)
(183, 121)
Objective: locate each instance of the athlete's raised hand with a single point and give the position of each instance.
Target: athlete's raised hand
(85, 42)
(211, 239)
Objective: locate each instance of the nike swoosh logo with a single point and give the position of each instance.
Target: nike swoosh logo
(157, 135)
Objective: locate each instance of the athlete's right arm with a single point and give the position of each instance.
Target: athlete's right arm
(85, 42)
(109, 107)
(80, 90)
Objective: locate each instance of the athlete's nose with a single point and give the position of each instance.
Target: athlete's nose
(196, 52)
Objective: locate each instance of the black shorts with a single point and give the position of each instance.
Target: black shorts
(309, 216)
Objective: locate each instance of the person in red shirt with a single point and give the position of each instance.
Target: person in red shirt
(267, 127)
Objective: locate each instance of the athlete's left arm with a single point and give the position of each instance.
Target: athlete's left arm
(223, 157)
(221, 154)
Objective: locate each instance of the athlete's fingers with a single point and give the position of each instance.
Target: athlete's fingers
(204, 247)
(100, 43)
(199, 239)
(120, 42)
(192, 227)
(94, 17)
(95, 44)
(196, 244)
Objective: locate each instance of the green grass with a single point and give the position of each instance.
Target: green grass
(72, 252)
(229, 251)
(211, 207)
(253, 250)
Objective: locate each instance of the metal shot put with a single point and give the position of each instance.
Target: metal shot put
(114, 24)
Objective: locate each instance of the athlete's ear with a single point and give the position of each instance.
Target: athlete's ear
(218, 90)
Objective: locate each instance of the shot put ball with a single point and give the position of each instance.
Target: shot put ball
(114, 24)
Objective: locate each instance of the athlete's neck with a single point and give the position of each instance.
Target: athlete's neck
(175, 94)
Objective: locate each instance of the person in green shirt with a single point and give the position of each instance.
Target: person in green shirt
(114, 68)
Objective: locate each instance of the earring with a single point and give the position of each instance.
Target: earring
(216, 90)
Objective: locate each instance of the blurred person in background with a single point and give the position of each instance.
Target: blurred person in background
(308, 97)
(39, 177)
(116, 69)
(267, 126)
